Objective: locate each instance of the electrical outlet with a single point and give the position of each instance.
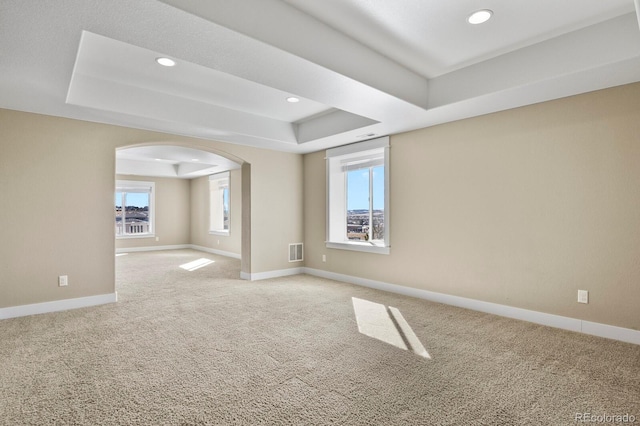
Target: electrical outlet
(63, 280)
(583, 296)
(157, 238)
(324, 257)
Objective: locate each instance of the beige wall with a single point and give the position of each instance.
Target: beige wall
(57, 214)
(172, 213)
(281, 222)
(199, 233)
(276, 195)
(57, 184)
(520, 208)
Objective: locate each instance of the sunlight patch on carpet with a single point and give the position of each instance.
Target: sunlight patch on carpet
(197, 264)
(387, 325)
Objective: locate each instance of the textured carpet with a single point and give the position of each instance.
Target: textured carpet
(203, 347)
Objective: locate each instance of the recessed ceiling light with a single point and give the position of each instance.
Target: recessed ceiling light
(293, 99)
(480, 16)
(194, 159)
(166, 62)
(158, 159)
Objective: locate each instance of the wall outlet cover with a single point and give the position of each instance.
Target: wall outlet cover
(63, 280)
(583, 296)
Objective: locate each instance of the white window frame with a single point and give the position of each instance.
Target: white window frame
(336, 226)
(217, 183)
(129, 186)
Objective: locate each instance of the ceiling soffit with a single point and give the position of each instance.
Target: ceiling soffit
(113, 76)
(239, 60)
(373, 94)
(170, 161)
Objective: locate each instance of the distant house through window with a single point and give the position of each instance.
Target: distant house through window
(365, 203)
(219, 209)
(134, 209)
(358, 196)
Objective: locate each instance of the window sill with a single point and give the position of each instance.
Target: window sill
(364, 247)
(223, 233)
(129, 237)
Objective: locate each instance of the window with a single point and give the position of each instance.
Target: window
(134, 205)
(358, 196)
(219, 203)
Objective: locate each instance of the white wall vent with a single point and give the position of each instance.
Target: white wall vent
(295, 252)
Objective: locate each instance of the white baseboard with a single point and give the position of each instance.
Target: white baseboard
(179, 247)
(57, 305)
(271, 274)
(153, 248)
(214, 251)
(611, 332)
(557, 321)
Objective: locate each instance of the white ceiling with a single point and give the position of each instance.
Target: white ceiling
(170, 161)
(359, 67)
(433, 38)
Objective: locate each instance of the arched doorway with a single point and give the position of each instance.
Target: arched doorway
(191, 161)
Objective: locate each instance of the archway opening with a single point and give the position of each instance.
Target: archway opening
(182, 195)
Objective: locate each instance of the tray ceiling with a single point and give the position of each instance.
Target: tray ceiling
(359, 69)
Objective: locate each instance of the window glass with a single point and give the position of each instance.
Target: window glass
(134, 208)
(357, 196)
(225, 207)
(358, 213)
(136, 213)
(219, 203)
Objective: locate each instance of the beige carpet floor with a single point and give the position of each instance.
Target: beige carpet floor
(203, 347)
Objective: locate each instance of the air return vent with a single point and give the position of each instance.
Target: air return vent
(295, 252)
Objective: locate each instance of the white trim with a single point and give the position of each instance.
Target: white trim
(357, 246)
(219, 176)
(557, 321)
(336, 227)
(271, 274)
(138, 186)
(217, 184)
(381, 142)
(134, 236)
(387, 197)
(153, 248)
(179, 247)
(57, 305)
(214, 251)
(611, 332)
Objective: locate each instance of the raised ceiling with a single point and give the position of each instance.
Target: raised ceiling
(359, 68)
(170, 161)
(433, 38)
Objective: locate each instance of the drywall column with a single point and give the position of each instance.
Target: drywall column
(245, 264)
